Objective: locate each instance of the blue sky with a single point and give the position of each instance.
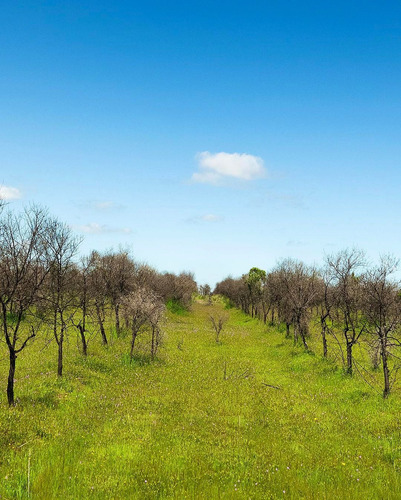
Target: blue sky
(206, 136)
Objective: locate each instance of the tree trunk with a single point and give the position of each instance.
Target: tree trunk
(265, 317)
(303, 336)
(101, 325)
(117, 312)
(349, 358)
(60, 355)
(83, 340)
(287, 334)
(386, 371)
(82, 329)
(132, 346)
(324, 340)
(304, 332)
(11, 375)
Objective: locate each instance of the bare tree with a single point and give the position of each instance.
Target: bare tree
(285, 311)
(299, 294)
(23, 268)
(205, 290)
(60, 293)
(218, 323)
(82, 302)
(97, 284)
(119, 275)
(155, 318)
(236, 291)
(145, 276)
(326, 302)
(272, 295)
(142, 307)
(382, 307)
(255, 293)
(176, 289)
(343, 271)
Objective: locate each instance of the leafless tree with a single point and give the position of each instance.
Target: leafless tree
(218, 322)
(326, 303)
(142, 307)
(261, 293)
(97, 284)
(299, 294)
(119, 275)
(82, 302)
(382, 308)
(155, 319)
(343, 270)
(23, 268)
(177, 289)
(284, 309)
(272, 295)
(236, 291)
(60, 294)
(145, 276)
(205, 290)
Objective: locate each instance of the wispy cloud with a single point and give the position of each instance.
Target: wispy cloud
(214, 168)
(9, 193)
(290, 200)
(95, 228)
(105, 205)
(204, 218)
(279, 199)
(101, 205)
(295, 243)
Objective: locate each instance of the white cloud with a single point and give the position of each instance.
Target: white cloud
(95, 228)
(205, 218)
(103, 205)
(100, 205)
(213, 168)
(210, 218)
(9, 193)
(295, 243)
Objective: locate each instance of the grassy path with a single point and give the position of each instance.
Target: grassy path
(201, 422)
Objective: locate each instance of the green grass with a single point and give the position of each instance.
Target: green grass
(176, 307)
(201, 421)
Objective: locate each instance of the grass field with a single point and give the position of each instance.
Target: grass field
(250, 417)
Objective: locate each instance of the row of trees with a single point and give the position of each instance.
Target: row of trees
(44, 288)
(354, 303)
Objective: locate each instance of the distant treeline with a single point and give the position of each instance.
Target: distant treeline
(45, 288)
(354, 303)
